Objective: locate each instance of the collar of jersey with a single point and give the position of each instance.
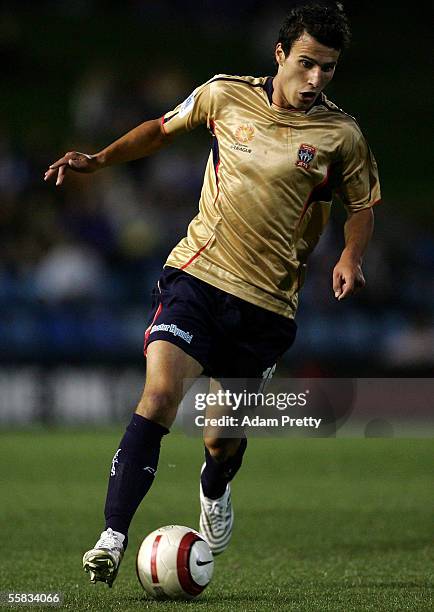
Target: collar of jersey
(269, 89)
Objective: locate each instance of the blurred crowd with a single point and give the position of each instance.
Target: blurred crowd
(77, 264)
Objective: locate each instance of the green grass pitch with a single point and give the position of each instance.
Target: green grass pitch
(321, 525)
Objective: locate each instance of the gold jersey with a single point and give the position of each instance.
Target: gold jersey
(267, 188)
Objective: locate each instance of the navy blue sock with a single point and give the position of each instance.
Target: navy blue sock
(216, 476)
(132, 472)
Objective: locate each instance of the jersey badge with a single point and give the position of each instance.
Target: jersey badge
(244, 134)
(306, 153)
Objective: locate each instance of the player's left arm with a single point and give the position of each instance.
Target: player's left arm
(347, 274)
(359, 189)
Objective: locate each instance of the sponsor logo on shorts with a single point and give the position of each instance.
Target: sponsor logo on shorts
(306, 153)
(173, 329)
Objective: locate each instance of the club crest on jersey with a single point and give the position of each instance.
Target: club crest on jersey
(306, 153)
(245, 133)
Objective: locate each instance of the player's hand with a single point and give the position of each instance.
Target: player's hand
(347, 278)
(79, 162)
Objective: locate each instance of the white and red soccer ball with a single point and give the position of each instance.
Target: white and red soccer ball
(174, 562)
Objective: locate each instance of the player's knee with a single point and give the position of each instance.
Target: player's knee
(219, 449)
(159, 405)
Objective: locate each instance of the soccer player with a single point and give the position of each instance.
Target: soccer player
(226, 300)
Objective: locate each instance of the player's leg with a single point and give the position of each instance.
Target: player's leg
(250, 342)
(223, 458)
(224, 448)
(135, 462)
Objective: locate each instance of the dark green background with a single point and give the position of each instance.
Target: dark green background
(383, 80)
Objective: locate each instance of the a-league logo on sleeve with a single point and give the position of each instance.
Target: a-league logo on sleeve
(187, 105)
(306, 153)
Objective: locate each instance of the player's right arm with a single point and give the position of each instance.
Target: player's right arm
(145, 139)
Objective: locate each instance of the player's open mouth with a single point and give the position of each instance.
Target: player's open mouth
(307, 96)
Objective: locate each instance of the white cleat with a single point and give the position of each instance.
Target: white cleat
(102, 562)
(216, 520)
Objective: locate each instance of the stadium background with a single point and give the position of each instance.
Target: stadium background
(321, 525)
(77, 264)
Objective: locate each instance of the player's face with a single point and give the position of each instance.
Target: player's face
(303, 73)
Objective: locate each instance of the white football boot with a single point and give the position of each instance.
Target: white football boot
(216, 519)
(102, 561)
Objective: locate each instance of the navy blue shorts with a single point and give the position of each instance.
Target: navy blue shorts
(228, 336)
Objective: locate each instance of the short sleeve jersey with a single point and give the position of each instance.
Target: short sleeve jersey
(267, 188)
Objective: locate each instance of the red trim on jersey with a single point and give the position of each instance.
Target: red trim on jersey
(183, 564)
(196, 255)
(162, 124)
(148, 329)
(310, 197)
(154, 572)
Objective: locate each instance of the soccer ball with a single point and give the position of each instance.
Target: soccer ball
(174, 562)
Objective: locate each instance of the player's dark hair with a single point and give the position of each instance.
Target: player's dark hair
(325, 21)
